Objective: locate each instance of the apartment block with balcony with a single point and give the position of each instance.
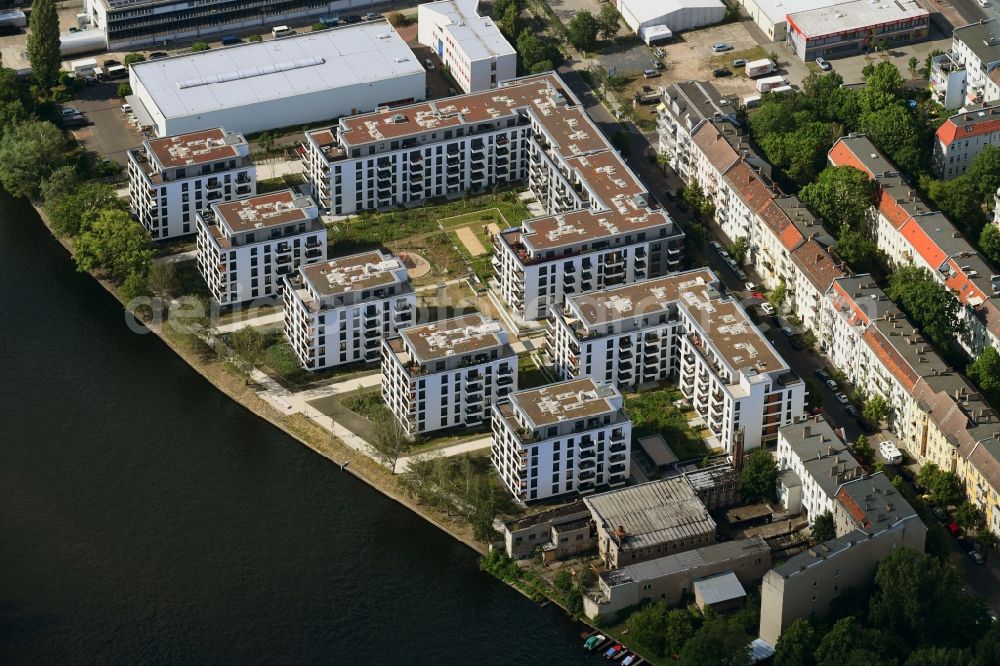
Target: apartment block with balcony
(683, 326)
(569, 437)
(171, 180)
(686, 105)
(247, 247)
(910, 232)
(447, 374)
(968, 73)
(338, 312)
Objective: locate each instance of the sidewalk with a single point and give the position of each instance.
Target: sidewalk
(256, 322)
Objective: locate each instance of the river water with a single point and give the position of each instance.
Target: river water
(146, 517)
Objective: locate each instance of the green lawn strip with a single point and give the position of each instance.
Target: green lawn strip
(653, 413)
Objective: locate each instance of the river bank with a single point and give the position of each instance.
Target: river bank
(296, 426)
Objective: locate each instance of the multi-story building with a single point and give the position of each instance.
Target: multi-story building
(786, 243)
(685, 106)
(338, 312)
(448, 373)
(909, 232)
(471, 46)
(170, 180)
(129, 23)
(649, 521)
(820, 460)
(960, 138)
(854, 27)
(245, 247)
(561, 438)
(871, 519)
(970, 72)
(685, 326)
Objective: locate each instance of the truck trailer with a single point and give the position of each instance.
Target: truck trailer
(771, 82)
(756, 68)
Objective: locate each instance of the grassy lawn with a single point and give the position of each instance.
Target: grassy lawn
(653, 413)
(725, 60)
(280, 183)
(529, 375)
(480, 217)
(439, 250)
(366, 405)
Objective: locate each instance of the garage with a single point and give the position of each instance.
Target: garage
(677, 15)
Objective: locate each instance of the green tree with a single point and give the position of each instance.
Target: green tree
(648, 627)
(510, 20)
(984, 173)
(883, 87)
(863, 451)
(989, 242)
(114, 243)
(988, 542)
(796, 644)
(876, 409)
(857, 250)
(582, 30)
(164, 281)
(29, 153)
(607, 21)
(913, 64)
(778, 295)
(823, 528)
(985, 371)
(134, 286)
(199, 46)
(679, 630)
(959, 200)
(970, 517)
(928, 303)
(134, 57)
(255, 38)
(389, 440)
(894, 131)
(988, 647)
(531, 49)
(563, 580)
(695, 197)
(938, 656)
(43, 44)
(801, 153)
(124, 90)
(760, 473)
(915, 591)
(542, 66)
(843, 197)
(622, 142)
(814, 394)
(739, 250)
(71, 213)
(61, 183)
(718, 641)
(247, 346)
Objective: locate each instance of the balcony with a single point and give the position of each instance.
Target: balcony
(586, 475)
(617, 447)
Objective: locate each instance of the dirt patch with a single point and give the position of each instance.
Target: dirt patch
(416, 266)
(471, 241)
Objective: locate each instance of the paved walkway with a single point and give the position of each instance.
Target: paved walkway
(190, 255)
(268, 170)
(256, 322)
(403, 464)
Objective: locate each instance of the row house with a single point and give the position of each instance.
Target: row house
(682, 326)
(876, 347)
(246, 247)
(338, 312)
(686, 105)
(568, 437)
(909, 232)
(447, 374)
(960, 138)
(787, 243)
(172, 179)
(969, 73)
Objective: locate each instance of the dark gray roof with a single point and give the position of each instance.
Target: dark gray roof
(982, 38)
(873, 503)
(823, 453)
(686, 561)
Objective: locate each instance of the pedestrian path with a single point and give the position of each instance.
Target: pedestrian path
(256, 322)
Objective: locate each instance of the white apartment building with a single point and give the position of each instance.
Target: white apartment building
(960, 138)
(561, 438)
(909, 232)
(820, 461)
(171, 180)
(245, 247)
(471, 46)
(967, 74)
(338, 312)
(684, 326)
(685, 106)
(448, 373)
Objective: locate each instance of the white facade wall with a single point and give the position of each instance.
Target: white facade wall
(677, 15)
(473, 64)
(813, 501)
(168, 208)
(953, 159)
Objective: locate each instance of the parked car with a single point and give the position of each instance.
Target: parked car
(69, 111)
(832, 384)
(111, 63)
(126, 108)
(740, 274)
(822, 374)
(670, 195)
(681, 206)
(351, 18)
(842, 398)
(725, 255)
(721, 73)
(657, 65)
(796, 343)
(739, 62)
(750, 286)
(976, 556)
(156, 55)
(658, 53)
(650, 73)
(852, 410)
(823, 64)
(767, 308)
(715, 245)
(939, 513)
(721, 47)
(371, 16)
(429, 63)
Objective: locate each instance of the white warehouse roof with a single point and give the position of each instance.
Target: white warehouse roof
(650, 10)
(241, 75)
(777, 10)
(479, 37)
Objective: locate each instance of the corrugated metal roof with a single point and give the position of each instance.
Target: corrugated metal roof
(716, 589)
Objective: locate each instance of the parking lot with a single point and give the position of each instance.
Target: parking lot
(109, 135)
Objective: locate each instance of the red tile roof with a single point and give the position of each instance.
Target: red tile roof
(923, 244)
(716, 149)
(816, 264)
(844, 299)
(890, 358)
(842, 155)
(955, 128)
(749, 186)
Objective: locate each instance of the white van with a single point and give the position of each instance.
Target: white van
(281, 31)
